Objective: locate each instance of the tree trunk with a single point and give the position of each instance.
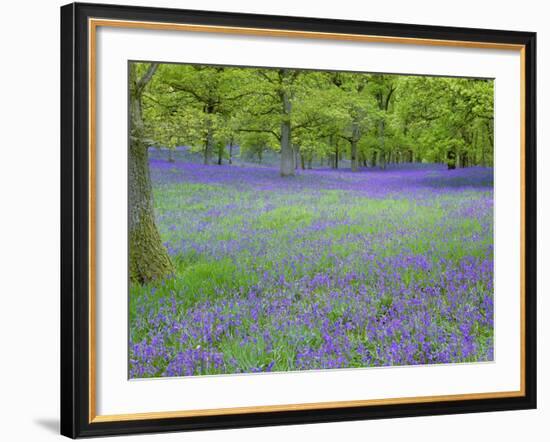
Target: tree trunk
(354, 162)
(170, 156)
(355, 135)
(381, 140)
(220, 156)
(231, 152)
(335, 157)
(287, 153)
(209, 144)
(148, 258)
(302, 162)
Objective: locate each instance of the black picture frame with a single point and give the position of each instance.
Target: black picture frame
(75, 221)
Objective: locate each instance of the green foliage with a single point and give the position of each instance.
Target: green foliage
(386, 118)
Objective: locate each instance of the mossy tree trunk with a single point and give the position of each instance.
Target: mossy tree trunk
(148, 258)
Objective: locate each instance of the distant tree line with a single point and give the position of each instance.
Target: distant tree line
(369, 119)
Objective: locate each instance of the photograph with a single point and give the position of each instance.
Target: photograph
(274, 221)
(284, 219)
(280, 220)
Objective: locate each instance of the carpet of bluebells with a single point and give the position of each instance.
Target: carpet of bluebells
(329, 269)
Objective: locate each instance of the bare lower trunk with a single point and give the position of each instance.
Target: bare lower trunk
(381, 140)
(148, 257)
(287, 153)
(231, 152)
(354, 161)
(355, 136)
(220, 156)
(208, 145)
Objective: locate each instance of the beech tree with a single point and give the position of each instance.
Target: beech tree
(355, 106)
(270, 110)
(148, 258)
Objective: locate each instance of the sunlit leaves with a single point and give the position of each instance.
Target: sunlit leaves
(395, 118)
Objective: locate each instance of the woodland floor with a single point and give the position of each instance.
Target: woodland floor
(328, 269)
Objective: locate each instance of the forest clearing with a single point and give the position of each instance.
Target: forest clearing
(330, 270)
(283, 220)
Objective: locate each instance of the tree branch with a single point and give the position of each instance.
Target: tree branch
(392, 89)
(189, 91)
(142, 82)
(269, 131)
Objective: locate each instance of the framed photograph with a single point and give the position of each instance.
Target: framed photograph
(273, 220)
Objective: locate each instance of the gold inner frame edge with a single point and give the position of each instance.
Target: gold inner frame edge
(93, 24)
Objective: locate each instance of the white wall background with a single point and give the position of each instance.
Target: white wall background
(29, 222)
